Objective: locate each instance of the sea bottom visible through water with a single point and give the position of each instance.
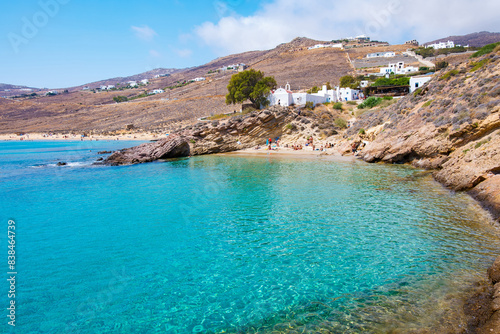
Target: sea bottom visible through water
(224, 243)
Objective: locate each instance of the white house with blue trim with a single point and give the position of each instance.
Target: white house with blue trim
(418, 81)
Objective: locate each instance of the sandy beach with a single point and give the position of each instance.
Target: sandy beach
(79, 137)
(306, 153)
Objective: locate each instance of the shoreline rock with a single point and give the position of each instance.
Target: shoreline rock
(484, 306)
(205, 138)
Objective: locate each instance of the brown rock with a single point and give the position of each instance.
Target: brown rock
(495, 305)
(494, 271)
(488, 193)
(171, 147)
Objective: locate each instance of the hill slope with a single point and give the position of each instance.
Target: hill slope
(96, 112)
(477, 39)
(124, 80)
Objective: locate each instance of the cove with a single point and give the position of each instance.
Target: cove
(226, 243)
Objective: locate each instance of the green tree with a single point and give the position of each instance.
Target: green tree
(250, 85)
(347, 81)
(313, 90)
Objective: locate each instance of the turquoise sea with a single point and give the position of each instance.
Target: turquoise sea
(224, 243)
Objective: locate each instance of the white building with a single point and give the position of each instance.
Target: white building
(156, 91)
(381, 54)
(418, 81)
(362, 38)
(408, 69)
(145, 81)
(285, 97)
(199, 79)
(320, 46)
(398, 68)
(132, 83)
(110, 87)
(347, 94)
(442, 45)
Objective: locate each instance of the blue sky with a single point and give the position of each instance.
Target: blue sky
(62, 43)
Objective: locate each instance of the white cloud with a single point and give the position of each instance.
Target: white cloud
(391, 20)
(145, 33)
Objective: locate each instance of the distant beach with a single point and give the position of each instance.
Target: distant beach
(78, 137)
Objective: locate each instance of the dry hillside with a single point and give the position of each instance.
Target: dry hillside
(96, 111)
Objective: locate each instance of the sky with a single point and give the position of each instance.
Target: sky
(64, 43)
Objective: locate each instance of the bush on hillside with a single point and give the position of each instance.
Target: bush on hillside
(341, 123)
(441, 64)
(119, 99)
(485, 50)
(404, 81)
(370, 102)
(309, 105)
(337, 105)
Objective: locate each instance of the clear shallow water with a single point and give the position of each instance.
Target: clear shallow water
(224, 243)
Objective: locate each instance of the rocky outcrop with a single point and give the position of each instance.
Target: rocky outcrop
(215, 137)
(488, 193)
(171, 147)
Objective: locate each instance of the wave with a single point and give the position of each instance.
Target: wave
(64, 164)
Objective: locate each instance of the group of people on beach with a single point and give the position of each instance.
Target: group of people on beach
(269, 142)
(357, 146)
(296, 147)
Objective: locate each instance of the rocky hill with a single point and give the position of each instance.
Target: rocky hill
(8, 87)
(477, 39)
(123, 80)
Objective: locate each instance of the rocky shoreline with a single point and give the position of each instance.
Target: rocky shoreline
(239, 132)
